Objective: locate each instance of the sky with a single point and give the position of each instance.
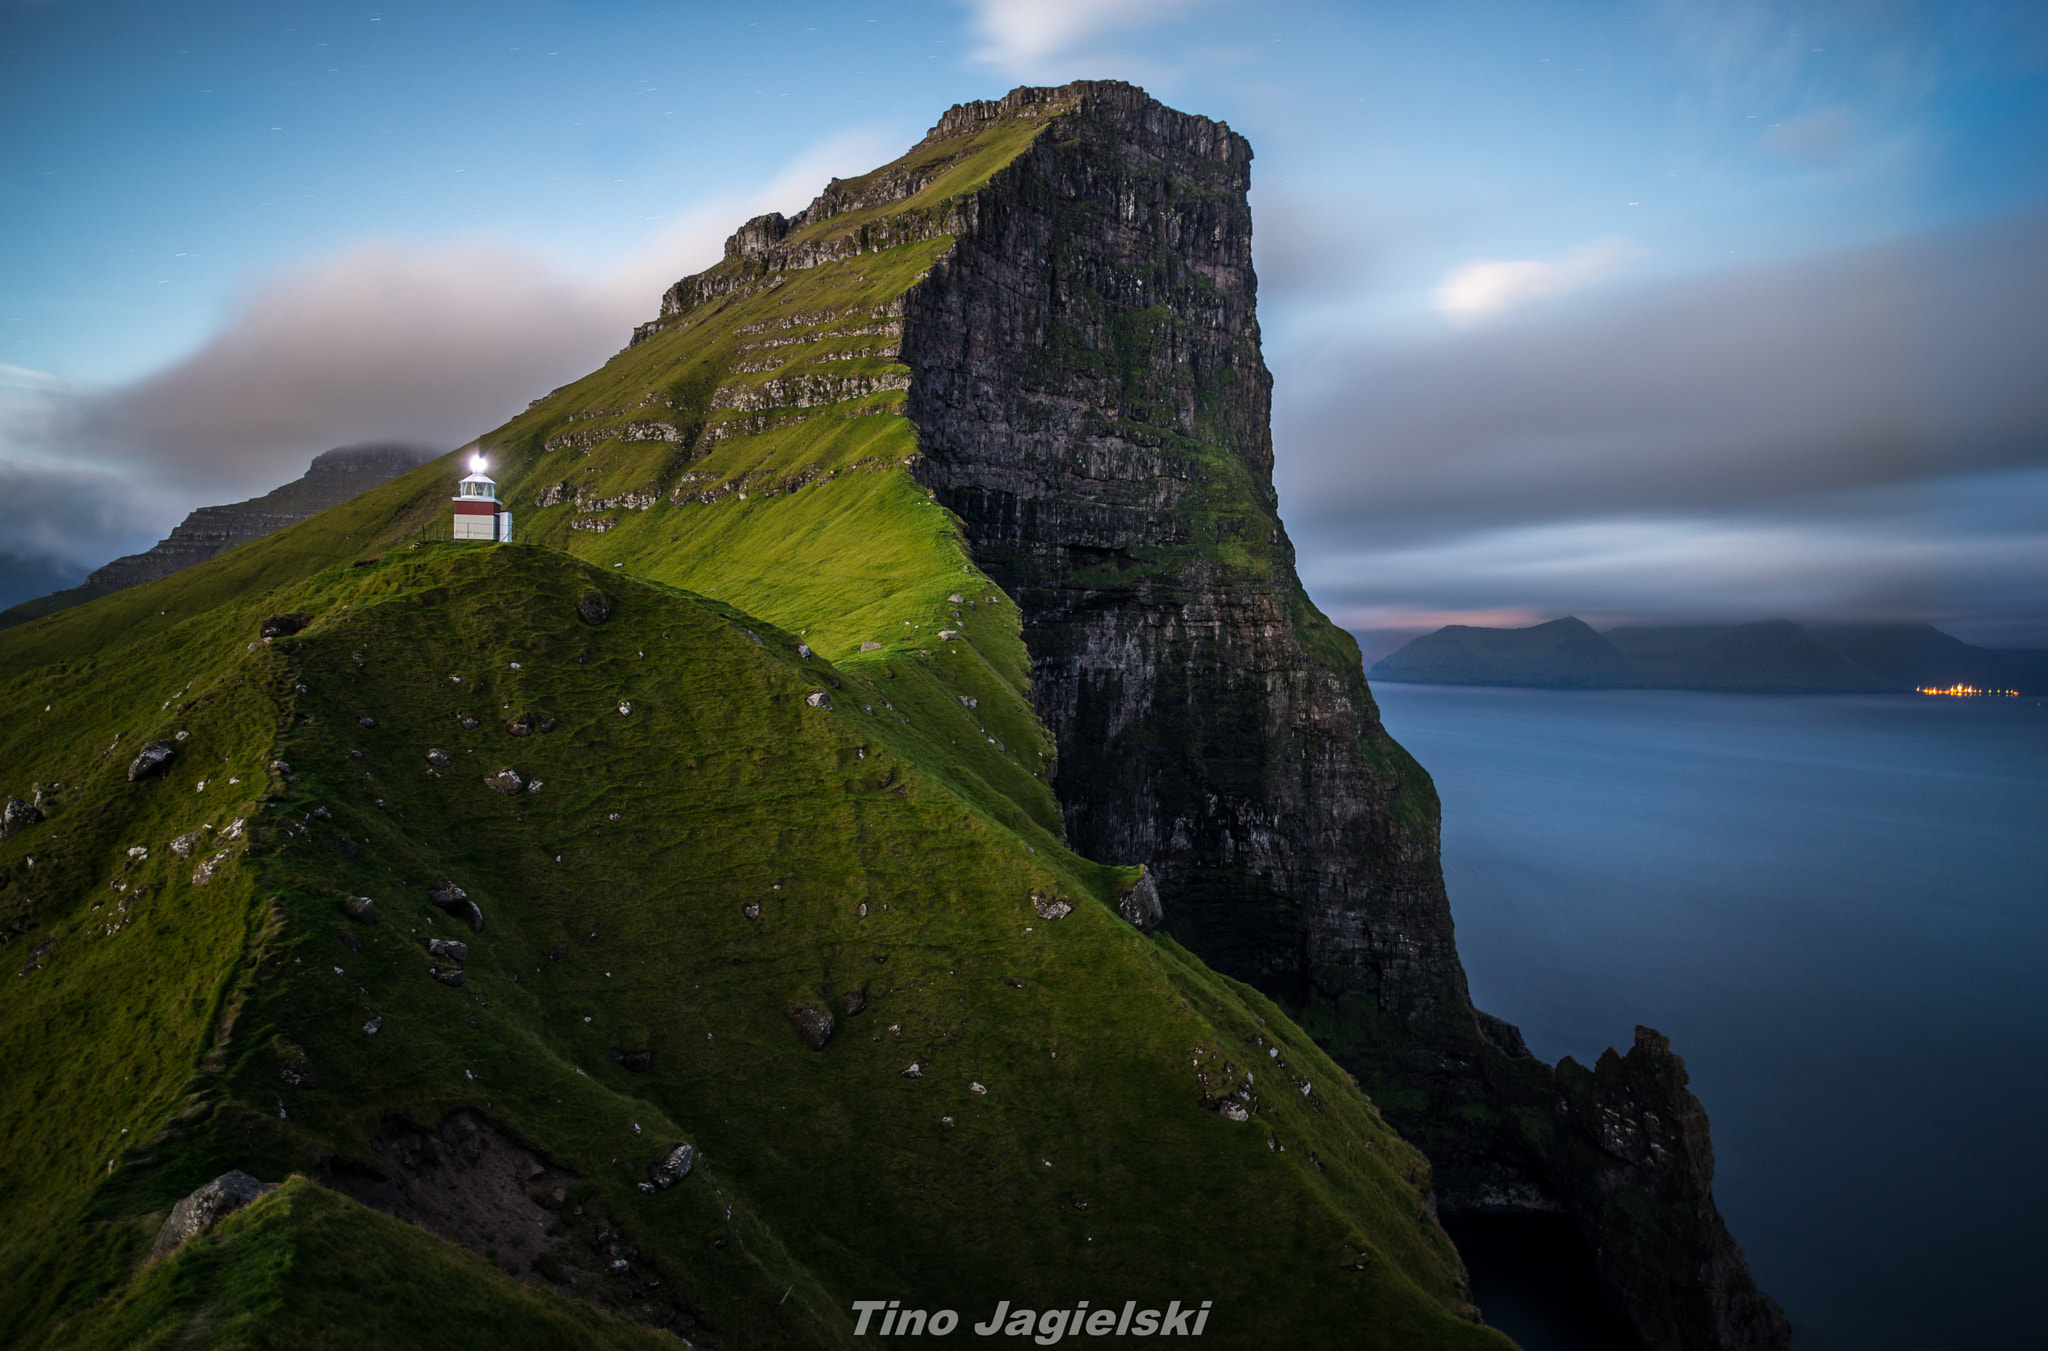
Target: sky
(1642, 312)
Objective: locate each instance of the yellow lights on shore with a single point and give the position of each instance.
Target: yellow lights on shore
(1968, 691)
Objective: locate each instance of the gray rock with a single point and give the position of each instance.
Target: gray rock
(298, 1072)
(1140, 905)
(523, 725)
(593, 608)
(915, 1071)
(949, 635)
(366, 721)
(871, 647)
(752, 910)
(210, 869)
(854, 1001)
(453, 899)
(819, 699)
(1051, 907)
(450, 977)
(954, 598)
(452, 948)
(205, 1207)
(468, 721)
(804, 650)
(17, 817)
(506, 781)
(438, 758)
(1234, 1111)
(150, 760)
(186, 843)
(674, 1167)
(969, 701)
(361, 909)
(812, 1023)
(283, 626)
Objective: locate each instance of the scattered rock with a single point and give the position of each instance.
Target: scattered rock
(284, 626)
(1140, 905)
(451, 977)
(949, 635)
(803, 650)
(373, 1025)
(523, 725)
(1233, 1110)
(453, 899)
(819, 699)
(547, 725)
(469, 722)
(320, 813)
(506, 781)
(871, 647)
(625, 708)
(35, 958)
(636, 1061)
(298, 1072)
(853, 1001)
(366, 721)
(210, 869)
(438, 758)
(593, 608)
(977, 1088)
(151, 759)
(17, 817)
(752, 910)
(451, 948)
(752, 636)
(914, 1072)
(186, 843)
(675, 1167)
(812, 1023)
(361, 909)
(1051, 907)
(969, 701)
(953, 599)
(351, 942)
(205, 1207)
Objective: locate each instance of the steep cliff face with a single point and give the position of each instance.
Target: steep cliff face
(1091, 402)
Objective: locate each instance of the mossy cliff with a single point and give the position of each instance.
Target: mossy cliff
(902, 590)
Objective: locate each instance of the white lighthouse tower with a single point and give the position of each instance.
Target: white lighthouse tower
(478, 512)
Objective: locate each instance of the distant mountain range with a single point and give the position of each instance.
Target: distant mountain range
(1774, 656)
(333, 478)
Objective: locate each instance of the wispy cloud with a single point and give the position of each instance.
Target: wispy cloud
(1488, 287)
(1023, 38)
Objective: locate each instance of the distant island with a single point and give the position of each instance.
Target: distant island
(1775, 656)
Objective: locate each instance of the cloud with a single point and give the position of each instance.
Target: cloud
(1797, 436)
(1024, 36)
(1486, 287)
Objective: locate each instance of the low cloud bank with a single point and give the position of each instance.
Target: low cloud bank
(1864, 434)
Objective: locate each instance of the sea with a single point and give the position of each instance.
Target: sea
(1837, 909)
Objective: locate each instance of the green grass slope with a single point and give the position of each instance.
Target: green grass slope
(156, 1041)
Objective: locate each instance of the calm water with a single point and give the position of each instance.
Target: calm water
(1837, 908)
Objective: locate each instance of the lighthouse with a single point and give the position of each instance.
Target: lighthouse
(478, 512)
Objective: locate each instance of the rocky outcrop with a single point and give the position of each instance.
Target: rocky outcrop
(334, 477)
(206, 1207)
(1091, 401)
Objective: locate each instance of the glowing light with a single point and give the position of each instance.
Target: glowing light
(477, 464)
(1970, 691)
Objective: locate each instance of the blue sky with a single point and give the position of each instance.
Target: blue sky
(1636, 311)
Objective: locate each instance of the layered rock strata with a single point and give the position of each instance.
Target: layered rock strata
(1092, 403)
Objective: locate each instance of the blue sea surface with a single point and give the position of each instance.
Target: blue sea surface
(1837, 909)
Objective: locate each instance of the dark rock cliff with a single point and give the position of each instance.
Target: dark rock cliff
(1091, 401)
